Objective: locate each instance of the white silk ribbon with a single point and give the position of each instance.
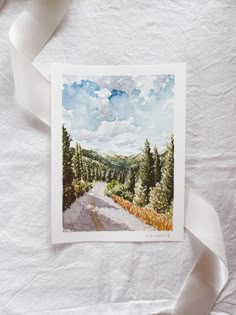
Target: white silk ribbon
(28, 34)
(210, 273)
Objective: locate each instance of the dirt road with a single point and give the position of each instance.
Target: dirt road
(96, 212)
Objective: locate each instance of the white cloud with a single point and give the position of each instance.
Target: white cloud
(139, 116)
(102, 103)
(104, 93)
(110, 137)
(108, 130)
(145, 84)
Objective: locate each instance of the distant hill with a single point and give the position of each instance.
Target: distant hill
(115, 161)
(93, 155)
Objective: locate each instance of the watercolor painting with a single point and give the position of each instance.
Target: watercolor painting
(118, 153)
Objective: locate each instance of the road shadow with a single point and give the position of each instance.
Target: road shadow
(113, 225)
(100, 203)
(80, 216)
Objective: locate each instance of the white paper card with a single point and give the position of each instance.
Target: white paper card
(118, 151)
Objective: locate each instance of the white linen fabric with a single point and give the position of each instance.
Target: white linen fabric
(103, 253)
(28, 34)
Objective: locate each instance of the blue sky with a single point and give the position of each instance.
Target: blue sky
(115, 114)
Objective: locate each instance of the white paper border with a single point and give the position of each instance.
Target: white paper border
(58, 70)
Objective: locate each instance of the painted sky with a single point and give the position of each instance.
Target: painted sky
(115, 114)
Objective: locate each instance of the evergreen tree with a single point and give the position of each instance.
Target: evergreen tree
(85, 175)
(147, 175)
(92, 173)
(157, 166)
(99, 174)
(167, 180)
(114, 174)
(103, 175)
(108, 176)
(131, 180)
(89, 173)
(96, 174)
(139, 194)
(158, 200)
(68, 190)
(121, 177)
(77, 163)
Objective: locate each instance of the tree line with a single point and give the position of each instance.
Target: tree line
(151, 185)
(80, 171)
(155, 186)
(148, 184)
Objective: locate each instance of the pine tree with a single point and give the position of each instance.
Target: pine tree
(68, 190)
(100, 174)
(158, 200)
(89, 173)
(124, 177)
(92, 173)
(131, 180)
(85, 175)
(167, 180)
(115, 174)
(77, 163)
(97, 173)
(139, 194)
(103, 175)
(147, 175)
(157, 166)
(108, 175)
(121, 177)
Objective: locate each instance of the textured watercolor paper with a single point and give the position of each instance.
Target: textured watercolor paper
(118, 139)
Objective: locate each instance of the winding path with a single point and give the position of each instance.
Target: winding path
(96, 212)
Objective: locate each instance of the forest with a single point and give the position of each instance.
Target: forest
(142, 184)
